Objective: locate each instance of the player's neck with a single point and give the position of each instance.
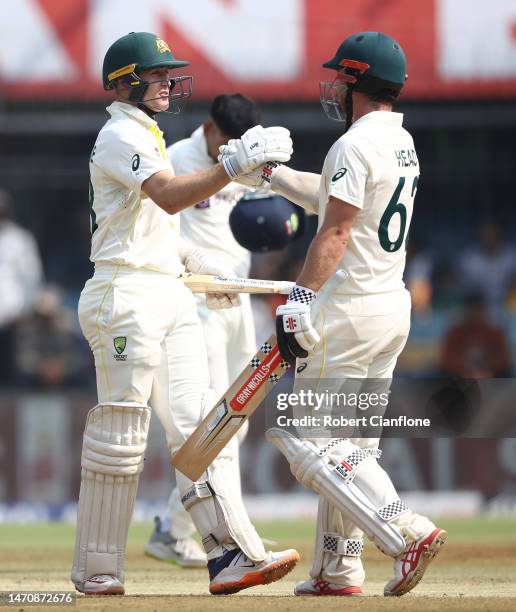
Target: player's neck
(142, 107)
(363, 106)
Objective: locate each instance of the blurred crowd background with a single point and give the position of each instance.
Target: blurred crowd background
(459, 104)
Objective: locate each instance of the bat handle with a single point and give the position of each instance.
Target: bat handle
(286, 287)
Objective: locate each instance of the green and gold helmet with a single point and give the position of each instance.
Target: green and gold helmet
(130, 55)
(135, 52)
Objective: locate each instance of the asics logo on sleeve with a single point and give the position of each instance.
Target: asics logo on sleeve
(339, 174)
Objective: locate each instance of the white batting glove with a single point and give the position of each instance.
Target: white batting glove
(198, 261)
(256, 147)
(296, 335)
(261, 177)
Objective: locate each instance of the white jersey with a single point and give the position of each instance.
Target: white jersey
(128, 228)
(374, 167)
(206, 224)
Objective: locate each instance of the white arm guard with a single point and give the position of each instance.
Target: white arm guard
(302, 188)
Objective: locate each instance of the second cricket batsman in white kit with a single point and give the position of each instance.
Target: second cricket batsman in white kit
(142, 326)
(348, 316)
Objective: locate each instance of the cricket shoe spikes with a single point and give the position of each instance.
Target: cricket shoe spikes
(100, 584)
(410, 566)
(234, 571)
(320, 587)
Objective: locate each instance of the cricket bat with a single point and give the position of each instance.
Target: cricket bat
(206, 283)
(232, 410)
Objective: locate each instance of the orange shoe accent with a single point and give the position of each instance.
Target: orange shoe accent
(324, 589)
(270, 573)
(415, 561)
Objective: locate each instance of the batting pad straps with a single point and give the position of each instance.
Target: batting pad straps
(196, 493)
(346, 547)
(357, 498)
(391, 511)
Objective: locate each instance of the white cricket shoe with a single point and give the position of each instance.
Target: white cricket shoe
(319, 587)
(100, 584)
(185, 552)
(410, 566)
(234, 571)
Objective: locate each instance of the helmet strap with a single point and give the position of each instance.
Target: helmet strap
(146, 110)
(349, 108)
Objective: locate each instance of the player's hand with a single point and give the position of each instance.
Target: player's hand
(296, 335)
(256, 147)
(198, 261)
(261, 177)
(214, 301)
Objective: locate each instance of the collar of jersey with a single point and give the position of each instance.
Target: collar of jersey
(385, 117)
(122, 108)
(201, 145)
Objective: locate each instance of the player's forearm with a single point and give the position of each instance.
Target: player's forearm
(302, 188)
(175, 193)
(323, 256)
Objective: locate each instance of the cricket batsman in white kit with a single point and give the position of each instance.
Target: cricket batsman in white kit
(143, 328)
(348, 316)
(228, 332)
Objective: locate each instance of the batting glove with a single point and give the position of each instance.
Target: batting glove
(296, 335)
(256, 147)
(261, 177)
(198, 261)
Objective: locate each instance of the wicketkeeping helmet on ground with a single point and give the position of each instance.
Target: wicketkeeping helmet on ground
(367, 62)
(128, 56)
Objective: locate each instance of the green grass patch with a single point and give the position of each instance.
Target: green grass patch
(61, 535)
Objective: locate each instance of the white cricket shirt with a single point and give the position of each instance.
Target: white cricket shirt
(374, 167)
(128, 228)
(206, 224)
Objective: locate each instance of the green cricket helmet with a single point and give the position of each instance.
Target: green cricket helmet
(135, 52)
(367, 62)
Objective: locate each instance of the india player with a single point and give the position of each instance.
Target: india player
(229, 333)
(348, 316)
(142, 326)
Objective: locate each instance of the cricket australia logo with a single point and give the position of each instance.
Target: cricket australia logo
(120, 343)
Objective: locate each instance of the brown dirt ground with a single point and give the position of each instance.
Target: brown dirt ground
(463, 578)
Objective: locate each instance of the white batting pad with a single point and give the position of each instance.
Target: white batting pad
(338, 547)
(351, 480)
(113, 451)
(217, 510)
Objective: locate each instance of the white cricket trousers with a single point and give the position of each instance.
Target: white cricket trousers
(230, 340)
(143, 329)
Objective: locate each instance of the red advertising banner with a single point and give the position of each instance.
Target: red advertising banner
(464, 49)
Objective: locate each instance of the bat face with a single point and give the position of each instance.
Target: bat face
(232, 410)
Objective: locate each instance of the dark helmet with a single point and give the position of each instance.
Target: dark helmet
(128, 56)
(369, 62)
(374, 61)
(266, 222)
